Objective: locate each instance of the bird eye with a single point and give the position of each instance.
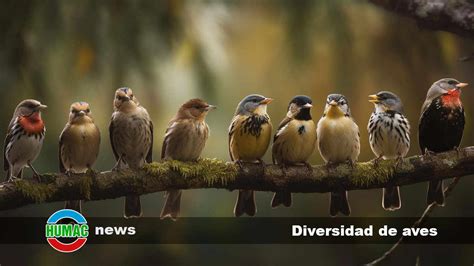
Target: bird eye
(131, 95)
(88, 110)
(452, 82)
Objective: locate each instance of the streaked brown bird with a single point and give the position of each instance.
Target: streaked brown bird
(441, 126)
(131, 136)
(294, 141)
(79, 145)
(185, 139)
(249, 136)
(338, 142)
(24, 139)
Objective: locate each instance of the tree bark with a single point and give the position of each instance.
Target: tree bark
(456, 16)
(212, 173)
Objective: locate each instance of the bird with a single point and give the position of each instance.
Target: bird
(131, 137)
(249, 137)
(184, 140)
(79, 144)
(441, 126)
(294, 141)
(24, 139)
(389, 138)
(338, 140)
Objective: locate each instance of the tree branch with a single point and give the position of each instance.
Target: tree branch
(456, 16)
(212, 173)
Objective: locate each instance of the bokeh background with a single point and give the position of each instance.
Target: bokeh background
(169, 51)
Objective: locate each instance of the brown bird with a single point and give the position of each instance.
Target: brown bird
(249, 136)
(78, 145)
(131, 136)
(185, 139)
(24, 139)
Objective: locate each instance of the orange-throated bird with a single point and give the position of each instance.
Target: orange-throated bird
(294, 141)
(389, 138)
(441, 126)
(185, 139)
(78, 145)
(24, 139)
(131, 136)
(249, 136)
(338, 142)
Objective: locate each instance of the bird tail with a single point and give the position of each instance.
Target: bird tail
(245, 203)
(339, 203)
(435, 193)
(280, 198)
(133, 208)
(73, 205)
(391, 198)
(172, 205)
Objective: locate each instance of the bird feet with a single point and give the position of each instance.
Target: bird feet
(429, 154)
(309, 167)
(398, 162)
(12, 178)
(377, 161)
(36, 175)
(91, 172)
(263, 165)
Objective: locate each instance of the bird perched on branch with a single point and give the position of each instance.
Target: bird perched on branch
(389, 138)
(294, 141)
(185, 139)
(78, 145)
(24, 139)
(441, 126)
(131, 136)
(249, 136)
(338, 142)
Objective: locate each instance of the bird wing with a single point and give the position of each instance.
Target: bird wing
(149, 156)
(283, 123)
(6, 165)
(62, 169)
(111, 134)
(166, 139)
(232, 128)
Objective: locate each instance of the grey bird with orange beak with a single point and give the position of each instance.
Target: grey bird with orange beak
(185, 139)
(131, 136)
(79, 145)
(249, 136)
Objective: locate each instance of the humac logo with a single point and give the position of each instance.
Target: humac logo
(65, 226)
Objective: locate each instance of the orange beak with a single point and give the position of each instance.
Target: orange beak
(266, 101)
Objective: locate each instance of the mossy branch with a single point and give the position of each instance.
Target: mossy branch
(456, 16)
(212, 173)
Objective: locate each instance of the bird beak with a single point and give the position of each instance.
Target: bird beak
(461, 85)
(41, 107)
(126, 99)
(211, 107)
(333, 103)
(373, 98)
(308, 105)
(266, 101)
(81, 113)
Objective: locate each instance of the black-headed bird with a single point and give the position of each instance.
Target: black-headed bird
(249, 136)
(294, 141)
(79, 145)
(338, 142)
(441, 126)
(24, 139)
(389, 138)
(131, 136)
(185, 139)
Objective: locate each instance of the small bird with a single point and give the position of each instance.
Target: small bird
(441, 126)
(24, 139)
(389, 138)
(249, 136)
(131, 136)
(78, 145)
(185, 139)
(338, 142)
(294, 141)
